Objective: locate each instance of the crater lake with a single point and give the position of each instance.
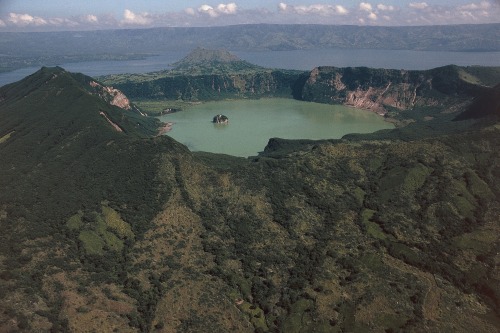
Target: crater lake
(253, 122)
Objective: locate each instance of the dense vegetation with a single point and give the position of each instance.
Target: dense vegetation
(207, 75)
(108, 230)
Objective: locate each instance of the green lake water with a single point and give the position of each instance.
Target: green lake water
(253, 122)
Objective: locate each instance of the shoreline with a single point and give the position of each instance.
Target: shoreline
(165, 128)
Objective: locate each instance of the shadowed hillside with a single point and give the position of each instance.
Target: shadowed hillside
(122, 230)
(484, 105)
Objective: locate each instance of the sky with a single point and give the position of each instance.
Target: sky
(53, 15)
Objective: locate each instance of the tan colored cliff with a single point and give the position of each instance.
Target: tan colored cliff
(374, 90)
(111, 95)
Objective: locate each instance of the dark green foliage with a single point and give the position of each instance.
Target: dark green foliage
(77, 160)
(64, 157)
(253, 83)
(202, 60)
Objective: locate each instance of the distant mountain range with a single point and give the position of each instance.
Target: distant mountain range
(31, 49)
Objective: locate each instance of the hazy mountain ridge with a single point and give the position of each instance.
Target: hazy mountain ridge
(106, 230)
(51, 48)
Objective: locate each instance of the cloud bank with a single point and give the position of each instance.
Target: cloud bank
(361, 13)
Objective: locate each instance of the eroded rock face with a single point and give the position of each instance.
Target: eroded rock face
(369, 89)
(111, 95)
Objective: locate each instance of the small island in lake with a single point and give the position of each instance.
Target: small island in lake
(220, 119)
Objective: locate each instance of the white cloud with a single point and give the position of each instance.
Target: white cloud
(2, 23)
(372, 16)
(475, 6)
(129, 17)
(419, 5)
(365, 6)
(190, 11)
(206, 9)
(383, 7)
(230, 8)
(25, 20)
(319, 9)
(475, 12)
(90, 19)
(341, 9)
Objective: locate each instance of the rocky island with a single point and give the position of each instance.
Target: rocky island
(220, 119)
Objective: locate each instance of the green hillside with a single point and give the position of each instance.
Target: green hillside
(209, 61)
(108, 227)
(206, 74)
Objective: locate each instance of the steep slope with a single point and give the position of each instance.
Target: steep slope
(67, 152)
(19, 98)
(484, 105)
(383, 90)
(369, 236)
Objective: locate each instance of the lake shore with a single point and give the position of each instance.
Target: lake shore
(165, 128)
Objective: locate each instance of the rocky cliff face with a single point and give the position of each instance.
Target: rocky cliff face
(380, 90)
(374, 90)
(111, 95)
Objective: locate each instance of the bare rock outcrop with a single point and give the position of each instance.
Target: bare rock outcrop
(111, 95)
(376, 90)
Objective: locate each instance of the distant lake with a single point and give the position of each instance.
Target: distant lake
(298, 59)
(253, 122)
